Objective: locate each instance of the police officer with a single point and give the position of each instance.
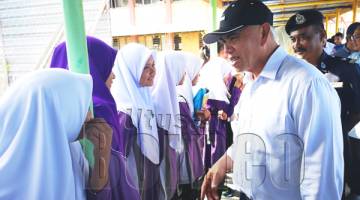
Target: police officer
(306, 31)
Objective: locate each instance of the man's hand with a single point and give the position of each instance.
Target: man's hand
(215, 177)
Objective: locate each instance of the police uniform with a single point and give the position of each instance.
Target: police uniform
(345, 78)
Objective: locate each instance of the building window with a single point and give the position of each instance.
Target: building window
(118, 3)
(201, 43)
(177, 42)
(156, 42)
(116, 43)
(143, 2)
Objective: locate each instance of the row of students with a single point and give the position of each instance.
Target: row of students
(146, 102)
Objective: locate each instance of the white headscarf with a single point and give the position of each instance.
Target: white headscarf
(171, 69)
(192, 68)
(40, 115)
(135, 100)
(212, 77)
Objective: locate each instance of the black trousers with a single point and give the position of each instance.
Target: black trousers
(243, 196)
(229, 135)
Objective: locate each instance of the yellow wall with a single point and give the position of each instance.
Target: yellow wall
(148, 41)
(189, 41)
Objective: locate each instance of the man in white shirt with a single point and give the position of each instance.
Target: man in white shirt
(288, 136)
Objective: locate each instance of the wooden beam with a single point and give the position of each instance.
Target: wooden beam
(337, 20)
(355, 5)
(303, 4)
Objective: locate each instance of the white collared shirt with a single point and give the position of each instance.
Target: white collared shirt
(287, 134)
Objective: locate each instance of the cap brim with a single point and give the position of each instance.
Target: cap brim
(216, 35)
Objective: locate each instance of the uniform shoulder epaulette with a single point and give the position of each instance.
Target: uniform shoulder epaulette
(352, 61)
(347, 60)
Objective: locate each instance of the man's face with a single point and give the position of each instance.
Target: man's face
(308, 42)
(242, 47)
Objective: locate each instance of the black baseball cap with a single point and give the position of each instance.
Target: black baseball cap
(303, 19)
(238, 15)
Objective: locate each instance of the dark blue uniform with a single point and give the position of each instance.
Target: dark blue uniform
(349, 93)
(349, 75)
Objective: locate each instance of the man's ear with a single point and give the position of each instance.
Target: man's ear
(265, 31)
(323, 37)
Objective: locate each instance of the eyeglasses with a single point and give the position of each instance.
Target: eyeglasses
(355, 37)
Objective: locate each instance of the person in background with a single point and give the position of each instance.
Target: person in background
(331, 40)
(212, 77)
(235, 85)
(135, 71)
(352, 44)
(101, 60)
(205, 54)
(338, 38)
(355, 54)
(171, 66)
(192, 167)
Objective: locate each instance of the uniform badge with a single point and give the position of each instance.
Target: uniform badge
(299, 19)
(337, 84)
(323, 66)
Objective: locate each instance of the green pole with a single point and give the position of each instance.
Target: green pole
(76, 44)
(213, 12)
(213, 47)
(75, 36)
(77, 53)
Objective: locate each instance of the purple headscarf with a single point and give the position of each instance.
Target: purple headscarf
(101, 61)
